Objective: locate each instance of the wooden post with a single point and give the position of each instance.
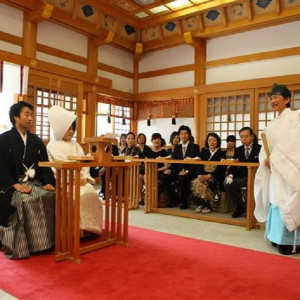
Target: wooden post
(29, 37)
(200, 78)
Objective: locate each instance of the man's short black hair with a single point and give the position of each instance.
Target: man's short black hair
(186, 128)
(16, 109)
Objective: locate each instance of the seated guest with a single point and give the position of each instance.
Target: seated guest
(174, 141)
(141, 141)
(225, 203)
(122, 142)
(181, 172)
(63, 124)
(156, 151)
(209, 176)
(230, 150)
(131, 149)
(237, 176)
(26, 190)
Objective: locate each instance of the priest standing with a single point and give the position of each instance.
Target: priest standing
(277, 189)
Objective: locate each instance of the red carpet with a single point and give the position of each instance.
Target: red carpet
(155, 266)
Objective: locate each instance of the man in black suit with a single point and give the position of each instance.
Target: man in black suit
(183, 173)
(237, 176)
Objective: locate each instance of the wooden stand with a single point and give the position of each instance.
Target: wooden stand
(67, 208)
(101, 148)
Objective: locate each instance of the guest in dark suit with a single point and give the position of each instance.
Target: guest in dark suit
(183, 173)
(237, 176)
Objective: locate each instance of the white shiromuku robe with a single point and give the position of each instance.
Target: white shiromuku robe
(280, 186)
(91, 212)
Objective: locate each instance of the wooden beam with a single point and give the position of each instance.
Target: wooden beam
(225, 21)
(168, 42)
(250, 10)
(253, 57)
(167, 71)
(54, 69)
(114, 70)
(9, 38)
(278, 7)
(167, 94)
(75, 9)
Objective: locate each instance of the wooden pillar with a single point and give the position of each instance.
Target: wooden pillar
(200, 79)
(133, 124)
(92, 62)
(29, 37)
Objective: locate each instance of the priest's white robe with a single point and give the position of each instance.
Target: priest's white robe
(280, 185)
(91, 212)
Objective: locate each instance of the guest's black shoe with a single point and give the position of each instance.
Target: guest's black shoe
(172, 204)
(238, 212)
(184, 205)
(273, 244)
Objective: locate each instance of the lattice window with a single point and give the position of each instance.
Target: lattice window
(43, 100)
(120, 119)
(226, 115)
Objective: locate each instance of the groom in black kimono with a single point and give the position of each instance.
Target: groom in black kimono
(20, 152)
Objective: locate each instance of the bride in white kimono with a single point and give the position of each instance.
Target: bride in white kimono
(63, 124)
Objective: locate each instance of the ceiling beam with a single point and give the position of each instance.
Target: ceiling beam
(215, 4)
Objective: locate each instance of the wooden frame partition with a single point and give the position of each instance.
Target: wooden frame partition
(151, 196)
(67, 208)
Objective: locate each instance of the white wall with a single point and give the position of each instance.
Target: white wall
(11, 20)
(164, 127)
(62, 38)
(165, 82)
(120, 59)
(121, 83)
(115, 57)
(60, 61)
(255, 41)
(167, 58)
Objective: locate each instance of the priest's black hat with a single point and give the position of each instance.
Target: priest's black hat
(280, 89)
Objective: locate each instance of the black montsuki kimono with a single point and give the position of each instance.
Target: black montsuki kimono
(26, 210)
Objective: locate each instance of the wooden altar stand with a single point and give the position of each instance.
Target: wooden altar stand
(67, 208)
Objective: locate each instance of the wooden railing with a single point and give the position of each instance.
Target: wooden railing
(151, 190)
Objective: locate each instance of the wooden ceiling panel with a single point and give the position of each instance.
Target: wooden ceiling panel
(161, 26)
